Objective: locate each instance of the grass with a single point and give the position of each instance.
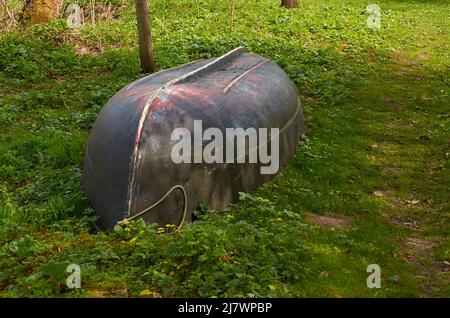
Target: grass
(376, 154)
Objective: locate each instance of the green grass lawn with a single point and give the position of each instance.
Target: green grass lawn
(375, 160)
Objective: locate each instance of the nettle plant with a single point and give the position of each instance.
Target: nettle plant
(214, 256)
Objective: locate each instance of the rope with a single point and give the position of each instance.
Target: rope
(154, 205)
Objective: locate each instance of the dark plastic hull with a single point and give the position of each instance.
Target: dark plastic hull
(128, 165)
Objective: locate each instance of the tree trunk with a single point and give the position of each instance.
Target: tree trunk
(145, 36)
(289, 4)
(40, 11)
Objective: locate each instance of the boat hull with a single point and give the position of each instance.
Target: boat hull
(129, 164)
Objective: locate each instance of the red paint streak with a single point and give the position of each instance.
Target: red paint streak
(158, 104)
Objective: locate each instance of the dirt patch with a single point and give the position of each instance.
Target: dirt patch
(111, 292)
(391, 171)
(330, 220)
(391, 198)
(402, 221)
(418, 245)
(404, 61)
(88, 50)
(416, 251)
(388, 196)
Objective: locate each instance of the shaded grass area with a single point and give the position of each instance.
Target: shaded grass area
(376, 104)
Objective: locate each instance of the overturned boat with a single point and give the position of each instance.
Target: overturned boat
(200, 132)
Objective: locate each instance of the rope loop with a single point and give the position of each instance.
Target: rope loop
(154, 205)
